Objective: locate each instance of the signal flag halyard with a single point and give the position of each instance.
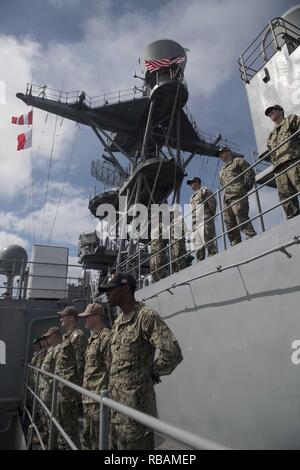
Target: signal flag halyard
(156, 64)
(23, 120)
(24, 141)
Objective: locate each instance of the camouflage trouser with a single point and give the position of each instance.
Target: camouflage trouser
(236, 215)
(288, 184)
(68, 413)
(46, 396)
(178, 251)
(45, 422)
(130, 437)
(158, 260)
(39, 412)
(45, 428)
(38, 421)
(91, 414)
(209, 233)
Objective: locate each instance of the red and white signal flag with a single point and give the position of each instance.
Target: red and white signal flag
(24, 141)
(23, 120)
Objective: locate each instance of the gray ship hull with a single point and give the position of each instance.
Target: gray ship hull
(237, 384)
(20, 322)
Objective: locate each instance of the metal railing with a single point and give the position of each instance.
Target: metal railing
(265, 45)
(22, 271)
(107, 173)
(76, 97)
(136, 257)
(220, 269)
(184, 437)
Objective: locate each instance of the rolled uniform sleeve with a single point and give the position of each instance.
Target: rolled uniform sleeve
(160, 337)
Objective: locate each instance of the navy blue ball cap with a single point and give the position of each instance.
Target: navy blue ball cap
(119, 280)
(223, 148)
(194, 180)
(275, 107)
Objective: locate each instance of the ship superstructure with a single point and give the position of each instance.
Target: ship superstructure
(235, 314)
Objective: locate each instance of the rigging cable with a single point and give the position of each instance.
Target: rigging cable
(27, 199)
(48, 176)
(64, 182)
(31, 196)
(31, 188)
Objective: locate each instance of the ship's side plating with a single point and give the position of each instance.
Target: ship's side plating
(236, 318)
(236, 315)
(237, 384)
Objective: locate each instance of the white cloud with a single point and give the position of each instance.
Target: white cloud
(20, 57)
(73, 218)
(107, 55)
(64, 3)
(104, 60)
(7, 238)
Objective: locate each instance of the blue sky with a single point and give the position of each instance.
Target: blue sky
(95, 46)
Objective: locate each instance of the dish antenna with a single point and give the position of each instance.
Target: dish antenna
(13, 261)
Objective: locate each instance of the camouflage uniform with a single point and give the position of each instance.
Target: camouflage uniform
(70, 366)
(31, 373)
(97, 363)
(134, 371)
(178, 248)
(239, 212)
(45, 387)
(202, 196)
(159, 254)
(34, 357)
(289, 182)
(37, 361)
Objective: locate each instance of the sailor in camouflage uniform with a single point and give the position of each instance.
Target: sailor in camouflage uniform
(37, 358)
(37, 361)
(288, 183)
(96, 371)
(159, 249)
(136, 334)
(177, 240)
(237, 211)
(207, 226)
(70, 366)
(36, 349)
(53, 338)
